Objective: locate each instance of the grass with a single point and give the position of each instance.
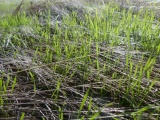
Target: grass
(79, 62)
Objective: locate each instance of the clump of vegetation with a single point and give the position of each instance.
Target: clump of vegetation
(75, 60)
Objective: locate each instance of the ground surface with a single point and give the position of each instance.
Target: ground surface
(59, 61)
